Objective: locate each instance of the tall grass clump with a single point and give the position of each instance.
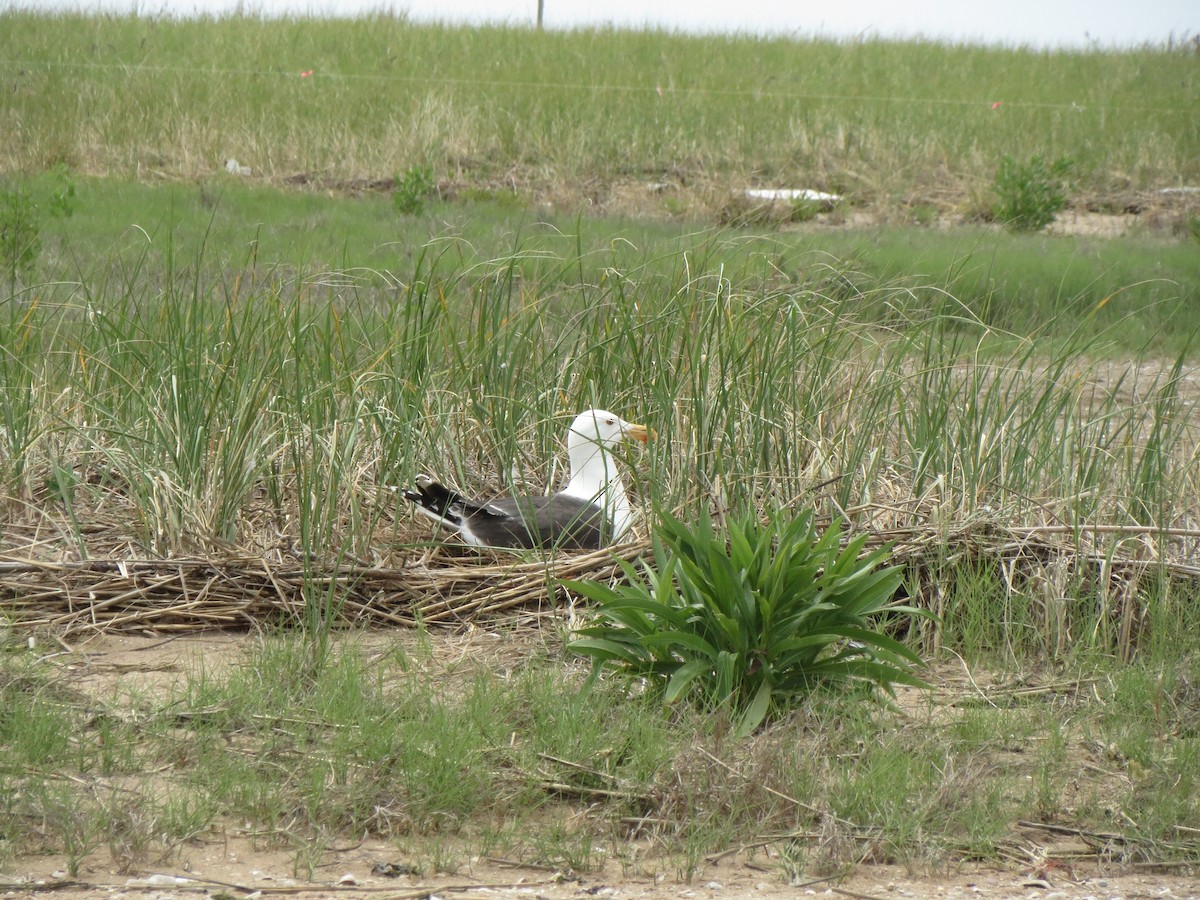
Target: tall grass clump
(20, 374)
(182, 400)
(20, 234)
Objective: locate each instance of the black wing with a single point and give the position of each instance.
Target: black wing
(555, 521)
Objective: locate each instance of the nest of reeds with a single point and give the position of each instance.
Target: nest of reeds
(184, 594)
(445, 586)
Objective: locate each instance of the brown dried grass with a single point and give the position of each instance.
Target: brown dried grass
(447, 586)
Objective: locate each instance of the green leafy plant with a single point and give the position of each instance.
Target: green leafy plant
(20, 233)
(413, 188)
(752, 624)
(1031, 193)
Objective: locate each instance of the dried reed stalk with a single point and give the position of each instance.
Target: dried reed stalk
(440, 589)
(178, 594)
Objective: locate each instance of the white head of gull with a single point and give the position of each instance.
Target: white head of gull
(592, 511)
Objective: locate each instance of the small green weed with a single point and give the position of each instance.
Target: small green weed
(804, 210)
(62, 196)
(413, 188)
(676, 207)
(1031, 193)
(751, 625)
(561, 846)
(76, 821)
(34, 729)
(923, 214)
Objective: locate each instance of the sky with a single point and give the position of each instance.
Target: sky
(1036, 23)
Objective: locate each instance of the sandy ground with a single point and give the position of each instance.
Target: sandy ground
(219, 870)
(234, 862)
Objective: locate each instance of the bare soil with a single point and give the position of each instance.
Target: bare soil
(694, 197)
(231, 860)
(232, 868)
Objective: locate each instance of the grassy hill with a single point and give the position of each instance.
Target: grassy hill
(572, 113)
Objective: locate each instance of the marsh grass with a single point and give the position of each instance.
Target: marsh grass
(173, 406)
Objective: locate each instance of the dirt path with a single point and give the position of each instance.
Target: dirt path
(230, 866)
(223, 873)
